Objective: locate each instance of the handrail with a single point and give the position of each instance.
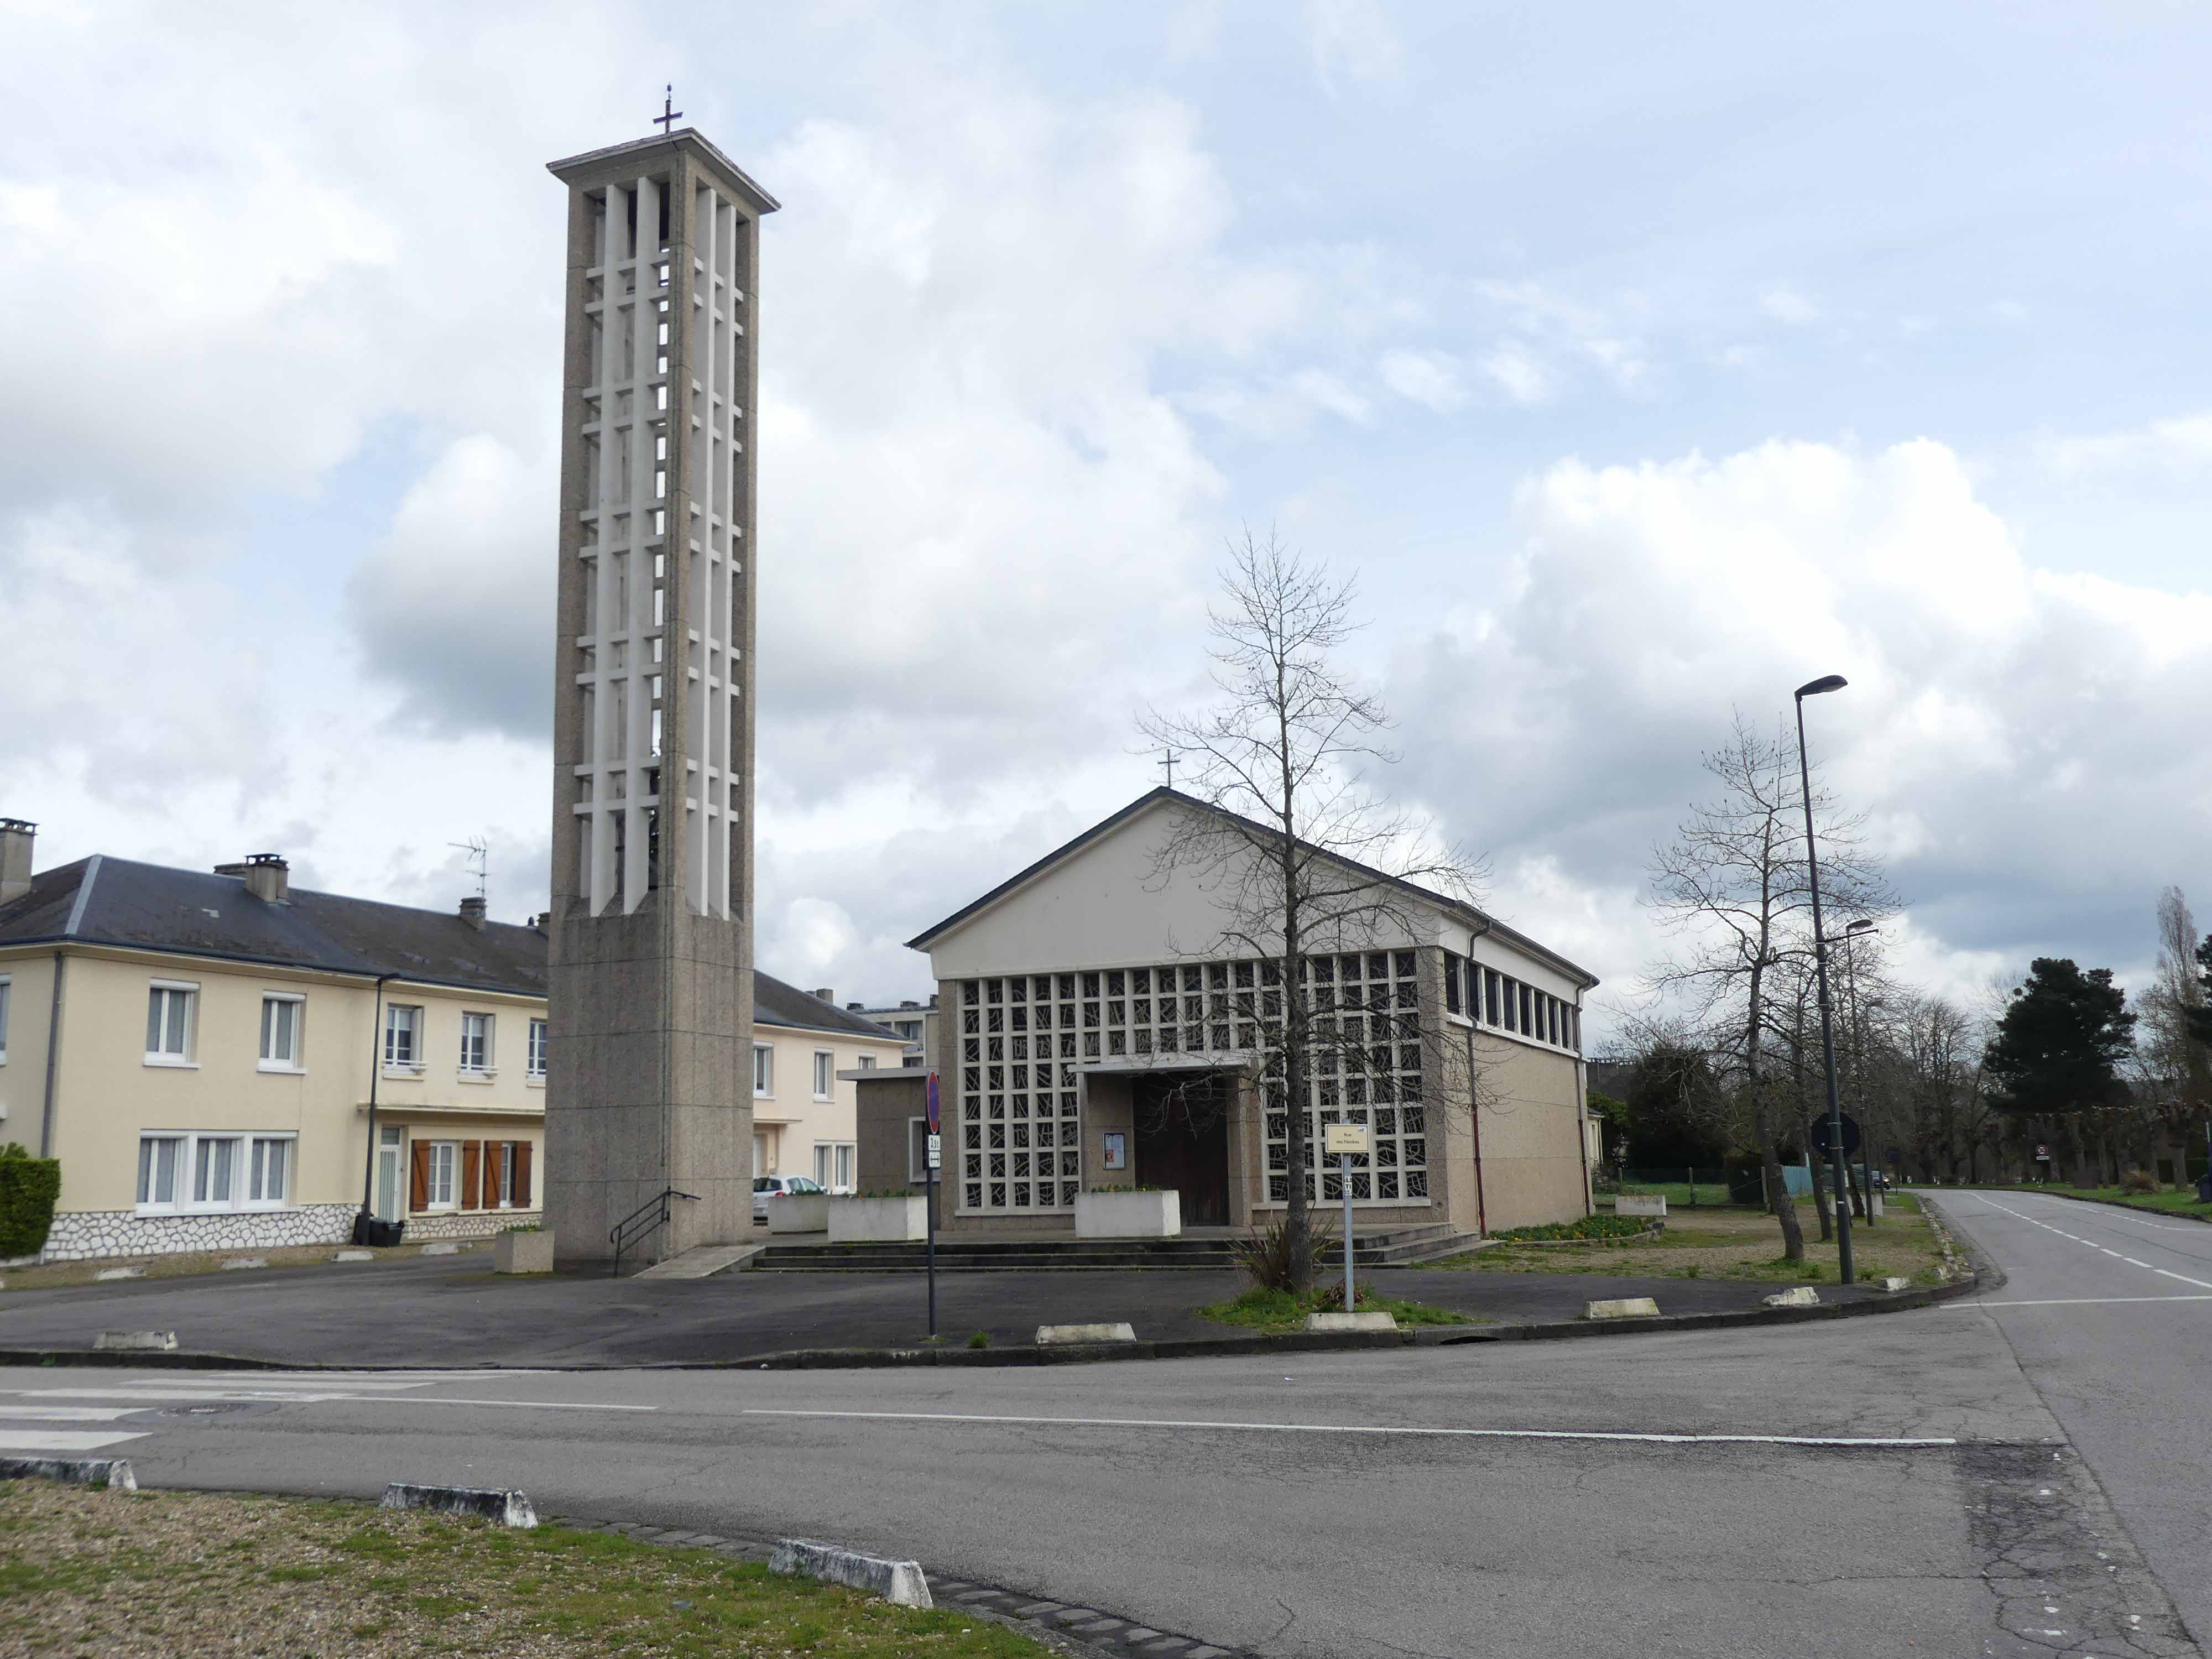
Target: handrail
(641, 1223)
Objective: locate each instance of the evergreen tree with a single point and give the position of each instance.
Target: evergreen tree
(2058, 1047)
(2200, 1016)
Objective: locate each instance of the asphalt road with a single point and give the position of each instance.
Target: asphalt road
(1650, 1495)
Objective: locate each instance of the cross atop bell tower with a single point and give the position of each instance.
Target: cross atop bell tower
(648, 1084)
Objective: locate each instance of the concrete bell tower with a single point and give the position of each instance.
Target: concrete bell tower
(649, 1079)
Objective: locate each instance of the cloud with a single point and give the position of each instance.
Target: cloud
(1516, 371)
(1786, 305)
(2000, 718)
(2180, 446)
(1351, 39)
(1426, 378)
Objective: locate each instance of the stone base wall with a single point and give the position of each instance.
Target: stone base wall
(470, 1224)
(86, 1234)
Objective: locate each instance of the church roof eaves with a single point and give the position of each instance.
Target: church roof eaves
(568, 166)
(1482, 920)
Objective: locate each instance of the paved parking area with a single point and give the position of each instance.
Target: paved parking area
(453, 1311)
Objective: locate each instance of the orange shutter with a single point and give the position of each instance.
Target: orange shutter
(521, 1174)
(419, 1178)
(471, 1161)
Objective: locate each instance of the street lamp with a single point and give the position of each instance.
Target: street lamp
(1844, 1263)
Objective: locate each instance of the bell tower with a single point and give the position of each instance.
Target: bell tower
(649, 1080)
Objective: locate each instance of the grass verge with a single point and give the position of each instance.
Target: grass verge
(1734, 1244)
(1260, 1310)
(164, 1573)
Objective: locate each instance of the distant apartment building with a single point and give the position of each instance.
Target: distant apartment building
(910, 1021)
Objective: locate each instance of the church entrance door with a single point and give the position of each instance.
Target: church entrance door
(1181, 1124)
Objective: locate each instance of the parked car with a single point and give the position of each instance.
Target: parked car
(767, 1186)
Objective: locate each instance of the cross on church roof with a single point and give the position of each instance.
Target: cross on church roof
(669, 114)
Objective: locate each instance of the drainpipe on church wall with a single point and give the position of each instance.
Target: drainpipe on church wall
(1474, 1116)
(53, 1061)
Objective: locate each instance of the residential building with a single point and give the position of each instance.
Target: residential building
(803, 1113)
(220, 1039)
(910, 1021)
(1097, 1032)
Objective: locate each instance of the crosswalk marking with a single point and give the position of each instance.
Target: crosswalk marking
(67, 1413)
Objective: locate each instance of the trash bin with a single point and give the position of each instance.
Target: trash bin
(377, 1233)
(2204, 1188)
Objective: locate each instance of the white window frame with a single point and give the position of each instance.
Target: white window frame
(867, 1063)
(848, 1163)
(537, 1041)
(486, 1054)
(189, 990)
(763, 1070)
(394, 1067)
(7, 984)
(257, 1154)
(446, 1156)
(825, 1076)
(294, 1064)
(179, 1172)
(835, 1162)
(503, 1183)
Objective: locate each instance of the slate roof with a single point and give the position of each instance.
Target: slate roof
(1484, 921)
(150, 907)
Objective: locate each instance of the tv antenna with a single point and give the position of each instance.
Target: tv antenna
(479, 857)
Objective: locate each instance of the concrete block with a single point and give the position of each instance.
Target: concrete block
(798, 1213)
(113, 1473)
(1623, 1307)
(240, 1263)
(448, 1248)
(1892, 1284)
(502, 1509)
(1630, 1204)
(899, 1583)
(354, 1256)
(107, 1273)
(1051, 1335)
(1798, 1296)
(1377, 1320)
(137, 1341)
(523, 1253)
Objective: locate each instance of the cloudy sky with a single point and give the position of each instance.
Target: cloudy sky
(1643, 362)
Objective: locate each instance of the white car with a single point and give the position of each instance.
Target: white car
(767, 1186)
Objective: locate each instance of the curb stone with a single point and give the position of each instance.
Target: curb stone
(1082, 1632)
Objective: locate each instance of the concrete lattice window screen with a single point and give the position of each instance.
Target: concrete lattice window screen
(1022, 1037)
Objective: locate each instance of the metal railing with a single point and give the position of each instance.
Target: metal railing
(643, 1222)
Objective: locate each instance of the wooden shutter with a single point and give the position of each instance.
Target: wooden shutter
(419, 1178)
(471, 1164)
(521, 1174)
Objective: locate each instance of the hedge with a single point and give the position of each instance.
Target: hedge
(29, 1188)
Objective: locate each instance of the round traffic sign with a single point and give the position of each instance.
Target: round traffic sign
(1851, 1135)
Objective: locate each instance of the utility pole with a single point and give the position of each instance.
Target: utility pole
(1844, 1266)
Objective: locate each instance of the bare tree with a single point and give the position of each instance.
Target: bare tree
(1733, 887)
(1301, 856)
(2175, 1061)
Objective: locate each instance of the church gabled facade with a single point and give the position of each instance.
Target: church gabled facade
(1097, 1030)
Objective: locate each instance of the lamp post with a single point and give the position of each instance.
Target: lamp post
(1844, 1263)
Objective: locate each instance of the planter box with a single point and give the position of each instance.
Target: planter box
(1128, 1215)
(1633, 1204)
(798, 1212)
(876, 1220)
(523, 1253)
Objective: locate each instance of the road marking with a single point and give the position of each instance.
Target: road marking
(2166, 1272)
(1377, 1428)
(2071, 1302)
(59, 1440)
(274, 1397)
(66, 1413)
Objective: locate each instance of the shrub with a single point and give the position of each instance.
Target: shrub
(980, 1340)
(2139, 1180)
(1590, 1226)
(29, 1188)
(1267, 1255)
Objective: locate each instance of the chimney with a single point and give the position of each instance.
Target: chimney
(266, 876)
(16, 837)
(826, 994)
(855, 1007)
(909, 1003)
(472, 911)
(539, 922)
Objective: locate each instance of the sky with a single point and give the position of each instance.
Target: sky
(1642, 364)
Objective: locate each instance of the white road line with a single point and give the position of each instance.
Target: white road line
(59, 1440)
(274, 1397)
(2069, 1302)
(1376, 1428)
(2165, 1272)
(65, 1413)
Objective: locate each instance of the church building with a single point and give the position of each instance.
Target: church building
(1099, 1029)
